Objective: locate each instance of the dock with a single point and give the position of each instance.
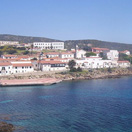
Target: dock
(29, 82)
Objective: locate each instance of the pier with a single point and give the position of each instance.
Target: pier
(29, 82)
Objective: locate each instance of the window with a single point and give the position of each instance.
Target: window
(3, 68)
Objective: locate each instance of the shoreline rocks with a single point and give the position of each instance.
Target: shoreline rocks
(87, 75)
(5, 127)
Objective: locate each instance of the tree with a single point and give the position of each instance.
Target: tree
(26, 52)
(123, 56)
(34, 58)
(90, 54)
(11, 51)
(71, 64)
(79, 69)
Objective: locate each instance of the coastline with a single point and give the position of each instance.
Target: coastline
(41, 78)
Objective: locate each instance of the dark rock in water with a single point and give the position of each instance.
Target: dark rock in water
(5, 127)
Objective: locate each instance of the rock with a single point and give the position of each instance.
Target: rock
(5, 127)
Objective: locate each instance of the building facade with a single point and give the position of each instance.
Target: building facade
(12, 43)
(49, 45)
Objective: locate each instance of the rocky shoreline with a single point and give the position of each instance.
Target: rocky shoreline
(5, 127)
(87, 74)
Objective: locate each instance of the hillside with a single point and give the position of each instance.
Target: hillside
(24, 39)
(97, 43)
(69, 43)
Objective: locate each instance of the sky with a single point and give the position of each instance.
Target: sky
(108, 20)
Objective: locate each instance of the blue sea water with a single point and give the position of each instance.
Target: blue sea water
(103, 105)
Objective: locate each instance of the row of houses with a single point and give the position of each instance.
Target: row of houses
(8, 67)
(58, 61)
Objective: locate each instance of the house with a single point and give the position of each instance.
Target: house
(125, 52)
(52, 65)
(24, 57)
(95, 62)
(5, 68)
(9, 56)
(66, 55)
(99, 50)
(11, 43)
(111, 55)
(124, 64)
(52, 54)
(22, 67)
(80, 53)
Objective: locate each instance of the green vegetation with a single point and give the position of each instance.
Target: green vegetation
(125, 57)
(26, 52)
(90, 54)
(12, 50)
(72, 64)
(102, 56)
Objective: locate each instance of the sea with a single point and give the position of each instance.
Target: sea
(103, 105)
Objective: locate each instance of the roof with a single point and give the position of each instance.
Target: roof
(100, 48)
(123, 62)
(52, 53)
(22, 64)
(5, 63)
(10, 55)
(52, 62)
(63, 53)
(94, 57)
(124, 51)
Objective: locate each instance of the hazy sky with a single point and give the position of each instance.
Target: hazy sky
(109, 20)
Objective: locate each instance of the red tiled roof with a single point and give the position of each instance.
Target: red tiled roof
(66, 53)
(124, 51)
(93, 57)
(52, 53)
(100, 48)
(123, 62)
(52, 62)
(5, 63)
(10, 55)
(22, 64)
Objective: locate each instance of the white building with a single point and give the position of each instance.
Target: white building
(5, 68)
(52, 66)
(66, 55)
(49, 45)
(125, 52)
(52, 54)
(124, 64)
(9, 56)
(79, 53)
(112, 54)
(12, 43)
(95, 62)
(22, 67)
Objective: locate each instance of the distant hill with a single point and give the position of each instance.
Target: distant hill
(97, 43)
(24, 39)
(69, 43)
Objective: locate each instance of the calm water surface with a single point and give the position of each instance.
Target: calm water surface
(103, 105)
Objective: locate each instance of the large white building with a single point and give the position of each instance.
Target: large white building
(53, 66)
(112, 54)
(15, 67)
(13, 43)
(49, 45)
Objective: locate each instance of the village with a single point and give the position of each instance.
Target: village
(53, 57)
